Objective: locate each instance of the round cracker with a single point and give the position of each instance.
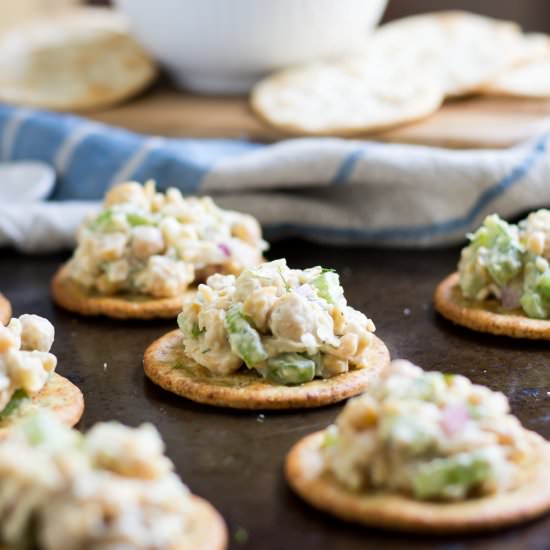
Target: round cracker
(461, 50)
(207, 530)
(166, 364)
(82, 59)
(347, 97)
(59, 396)
(304, 473)
(487, 315)
(71, 296)
(5, 310)
(530, 76)
(531, 80)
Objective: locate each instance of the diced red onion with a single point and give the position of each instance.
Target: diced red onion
(225, 249)
(510, 296)
(454, 418)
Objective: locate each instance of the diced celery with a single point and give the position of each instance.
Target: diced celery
(496, 246)
(450, 478)
(290, 368)
(244, 340)
(45, 429)
(533, 304)
(330, 438)
(328, 286)
(543, 284)
(185, 325)
(135, 219)
(103, 220)
(17, 399)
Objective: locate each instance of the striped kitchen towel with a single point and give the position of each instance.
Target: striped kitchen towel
(324, 189)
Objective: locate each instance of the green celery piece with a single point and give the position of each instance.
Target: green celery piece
(244, 340)
(17, 399)
(449, 477)
(330, 437)
(533, 304)
(137, 219)
(290, 368)
(191, 330)
(196, 331)
(543, 284)
(103, 220)
(184, 325)
(503, 249)
(328, 286)
(45, 429)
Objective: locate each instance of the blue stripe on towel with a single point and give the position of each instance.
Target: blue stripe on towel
(424, 231)
(184, 163)
(346, 168)
(40, 136)
(93, 163)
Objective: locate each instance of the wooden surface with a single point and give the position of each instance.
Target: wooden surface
(473, 122)
(235, 458)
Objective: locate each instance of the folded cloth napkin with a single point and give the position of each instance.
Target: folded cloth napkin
(323, 189)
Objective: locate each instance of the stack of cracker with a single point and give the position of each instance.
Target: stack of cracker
(404, 73)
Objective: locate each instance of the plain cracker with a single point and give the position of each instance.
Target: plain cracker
(71, 296)
(59, 395)
(82, 59)
(5, 310)
(530, 76)
(303, 471)
(166, 364)
(461, 50)
(487, 315)
(343, 98)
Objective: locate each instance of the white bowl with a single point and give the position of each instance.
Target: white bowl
(224, 46)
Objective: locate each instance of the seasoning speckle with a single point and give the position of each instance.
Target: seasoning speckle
(241, 535)
(260, 417)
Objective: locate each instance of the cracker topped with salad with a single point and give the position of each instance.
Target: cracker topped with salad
(28, 381)
(425, 452)
(111, 487)
(502, 285)
(146, 250)
(271, 338)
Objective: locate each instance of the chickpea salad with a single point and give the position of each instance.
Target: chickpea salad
(157, 244)
(25, 361)
(109, 488)
(510, 262)
(429, 435)
(288, 325)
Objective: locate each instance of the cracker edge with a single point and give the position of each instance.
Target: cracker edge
(396, 512)
(317, 393)
(480, 319)
(71, 297)
(69, 411)
(210, 532)
(5, 310)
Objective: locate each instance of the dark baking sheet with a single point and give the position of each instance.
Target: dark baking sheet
(235, 459)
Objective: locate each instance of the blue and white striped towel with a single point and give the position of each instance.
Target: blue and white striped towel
(328, 190)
